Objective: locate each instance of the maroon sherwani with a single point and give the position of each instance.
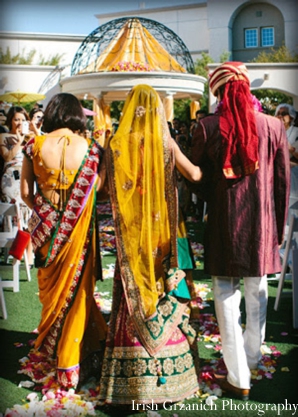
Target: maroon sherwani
(246, 217)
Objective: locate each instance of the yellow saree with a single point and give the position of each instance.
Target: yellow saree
(72, 330)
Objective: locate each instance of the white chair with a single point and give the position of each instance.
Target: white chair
(289, 256)
(204, 212)
(9, 211)
(2, 301)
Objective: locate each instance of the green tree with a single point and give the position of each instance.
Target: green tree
(201, 64)
(225, 56)
(282, 54)
(52, 60)
(182, 106)
(116, 109)
(18, 59)
(182, 110)
(26, 58)
(270, 99)
(6, 58)
(201, 68)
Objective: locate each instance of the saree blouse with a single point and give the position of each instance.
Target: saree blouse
(48, 178)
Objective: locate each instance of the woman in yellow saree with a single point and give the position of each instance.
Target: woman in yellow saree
(63, 168)
(151, 347)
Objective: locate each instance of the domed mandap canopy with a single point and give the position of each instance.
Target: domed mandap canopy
(132, 39)
(129, 51)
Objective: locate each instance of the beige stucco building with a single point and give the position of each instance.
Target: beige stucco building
(218, 26)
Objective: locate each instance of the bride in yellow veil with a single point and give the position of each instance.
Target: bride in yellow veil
(151, 347)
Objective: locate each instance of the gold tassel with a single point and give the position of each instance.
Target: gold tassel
(63, 179)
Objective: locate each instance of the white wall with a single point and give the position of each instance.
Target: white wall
(23, 77)
(46, 45)
(31, 77)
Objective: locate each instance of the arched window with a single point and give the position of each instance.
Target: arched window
(257, 27)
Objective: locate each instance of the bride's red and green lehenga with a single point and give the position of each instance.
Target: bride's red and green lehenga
(151, 348)
(72, 331)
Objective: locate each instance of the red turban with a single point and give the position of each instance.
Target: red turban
(237, 122)
(227, 72)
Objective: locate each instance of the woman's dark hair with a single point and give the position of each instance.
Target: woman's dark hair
(33, 111)
(64, 110)
(10, 115)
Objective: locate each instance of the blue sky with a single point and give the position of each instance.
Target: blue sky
(76, 17)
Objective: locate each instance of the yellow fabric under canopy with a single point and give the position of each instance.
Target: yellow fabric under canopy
(194, 107)
(134, 44)
(102, 120)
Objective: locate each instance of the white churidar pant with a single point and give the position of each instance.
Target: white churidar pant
(241, 350)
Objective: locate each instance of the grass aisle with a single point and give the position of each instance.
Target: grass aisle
(274, 388)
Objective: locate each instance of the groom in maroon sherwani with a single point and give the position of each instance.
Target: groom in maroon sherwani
(244, 157)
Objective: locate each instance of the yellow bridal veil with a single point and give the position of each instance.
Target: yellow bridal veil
(144, 194)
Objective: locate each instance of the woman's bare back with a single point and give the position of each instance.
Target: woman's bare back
(76, 147)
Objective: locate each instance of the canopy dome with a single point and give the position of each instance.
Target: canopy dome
(133, 40)
(129, 51)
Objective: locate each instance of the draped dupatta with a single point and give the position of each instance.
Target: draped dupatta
(145, 210)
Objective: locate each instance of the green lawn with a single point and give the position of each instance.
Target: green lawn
(268, 396)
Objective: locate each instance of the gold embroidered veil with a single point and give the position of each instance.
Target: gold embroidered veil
(144, 198)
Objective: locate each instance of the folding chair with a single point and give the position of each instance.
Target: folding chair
(8, 212)
(289, 257)
(2, 301)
